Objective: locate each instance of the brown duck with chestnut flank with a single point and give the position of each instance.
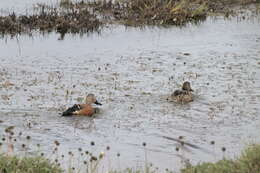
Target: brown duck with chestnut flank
(184, 95)
(85, 109)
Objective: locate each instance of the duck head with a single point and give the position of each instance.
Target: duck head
(90, 98)
(186, 86)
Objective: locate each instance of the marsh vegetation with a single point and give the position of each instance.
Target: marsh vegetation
(89, 16)
(48, 19)
(247, 162)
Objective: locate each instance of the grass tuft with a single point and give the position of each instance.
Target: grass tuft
(249, 162)
(27, 165)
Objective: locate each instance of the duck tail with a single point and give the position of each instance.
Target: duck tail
(71, 110)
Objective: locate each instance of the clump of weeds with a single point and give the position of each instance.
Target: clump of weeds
(88, 16)
(163, 12)
(48, 19)
(152, 12)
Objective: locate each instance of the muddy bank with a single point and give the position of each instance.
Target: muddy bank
(88, 16)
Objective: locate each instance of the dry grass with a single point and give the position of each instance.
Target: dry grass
(49, 19)
(153, 12)
(163, 12)
(88, 16)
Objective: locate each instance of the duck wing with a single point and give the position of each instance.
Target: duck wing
(71, 110)
(179, 92)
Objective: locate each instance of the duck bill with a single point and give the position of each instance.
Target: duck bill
(97, 103)
(191, 89)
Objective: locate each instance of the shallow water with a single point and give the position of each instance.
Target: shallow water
(21, 6)
(132, 72)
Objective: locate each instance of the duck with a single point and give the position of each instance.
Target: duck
(184, 95)
(85, 109)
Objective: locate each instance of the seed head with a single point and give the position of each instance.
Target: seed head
(180, 137)
(93, 158)
(212, 142)
(101, 155)
(56, 143)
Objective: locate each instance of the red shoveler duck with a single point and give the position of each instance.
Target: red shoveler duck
(184, 95)
(83, 109)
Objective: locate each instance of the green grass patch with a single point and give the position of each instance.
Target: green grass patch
(12, 164)
(249, 162)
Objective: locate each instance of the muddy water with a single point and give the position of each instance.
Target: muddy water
(132, 72)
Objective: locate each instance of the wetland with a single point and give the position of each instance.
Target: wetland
(132, 71)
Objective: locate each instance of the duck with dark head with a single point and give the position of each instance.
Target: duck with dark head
(184, 95)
